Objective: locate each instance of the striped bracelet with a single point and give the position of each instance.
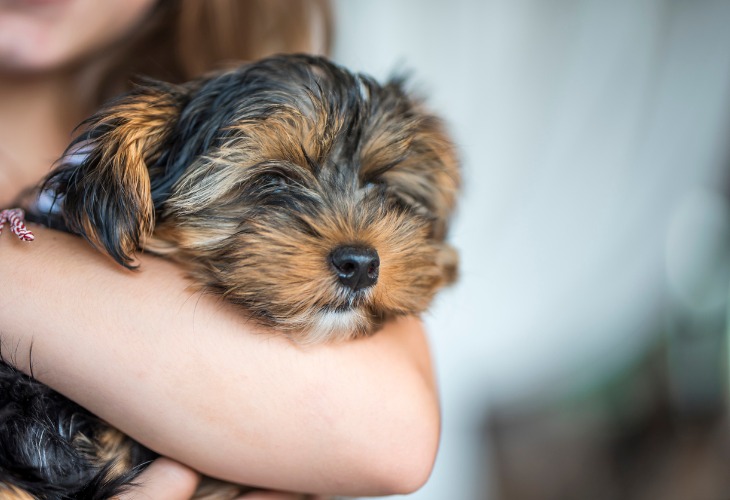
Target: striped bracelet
(16, 218)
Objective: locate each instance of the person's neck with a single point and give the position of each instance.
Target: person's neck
(37, 117)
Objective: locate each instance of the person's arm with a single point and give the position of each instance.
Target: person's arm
(186, 374)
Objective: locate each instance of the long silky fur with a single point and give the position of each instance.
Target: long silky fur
(107, 191)
(291, 156)
(251, 179)
(49, 446)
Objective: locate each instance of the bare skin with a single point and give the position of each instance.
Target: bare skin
(160, 361)
(164, 480)
(186, 374)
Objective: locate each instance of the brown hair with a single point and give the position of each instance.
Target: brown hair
(183, 39)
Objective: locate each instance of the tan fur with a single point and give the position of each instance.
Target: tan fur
(134, 132)
(146, 122)
(212, 489)
(301, 282)
(384, 177)
(112, 445)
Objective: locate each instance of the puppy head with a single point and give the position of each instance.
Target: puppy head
(316, 198)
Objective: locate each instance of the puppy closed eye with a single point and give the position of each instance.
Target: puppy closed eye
(399, 198)
(408, 202)
(275, 184)
(375, 176)
(280, 177)
(374, 183)
(269, 189)
(280, 191)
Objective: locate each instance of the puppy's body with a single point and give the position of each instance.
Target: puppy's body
(313, 197)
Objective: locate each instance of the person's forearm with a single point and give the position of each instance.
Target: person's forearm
(184, 374)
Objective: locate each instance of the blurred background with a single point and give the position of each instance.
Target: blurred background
(583, 355)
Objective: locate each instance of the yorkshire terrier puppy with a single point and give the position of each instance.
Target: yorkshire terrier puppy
(315, 198)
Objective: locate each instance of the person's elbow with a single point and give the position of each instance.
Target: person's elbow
(402, 462)
(409, 467)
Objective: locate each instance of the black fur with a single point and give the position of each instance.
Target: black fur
(38, 429)
(416, 186)
(208, 109)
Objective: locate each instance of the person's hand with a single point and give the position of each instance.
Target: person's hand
(278, 495)
(164, 479)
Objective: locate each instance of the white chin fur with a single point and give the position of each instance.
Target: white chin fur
(336, 325)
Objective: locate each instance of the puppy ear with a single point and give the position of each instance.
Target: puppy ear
(448, 261)
(103, 181)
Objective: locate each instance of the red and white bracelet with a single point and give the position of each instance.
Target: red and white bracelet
(16, 218)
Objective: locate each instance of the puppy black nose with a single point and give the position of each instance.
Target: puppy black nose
(356, 267)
